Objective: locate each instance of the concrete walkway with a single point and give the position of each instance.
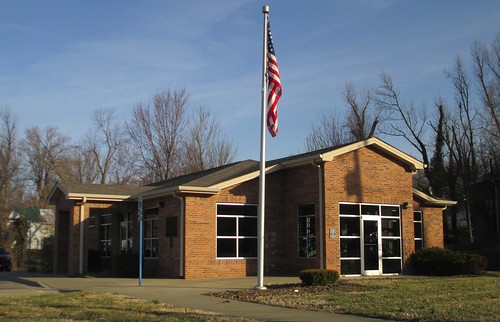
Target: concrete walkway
(178, 292)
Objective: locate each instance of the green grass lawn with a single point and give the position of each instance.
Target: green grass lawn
(475, 298)
(86, 306)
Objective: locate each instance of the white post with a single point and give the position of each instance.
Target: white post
(262, 177)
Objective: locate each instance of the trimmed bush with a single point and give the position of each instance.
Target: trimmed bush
(443, 262)
(315, 277)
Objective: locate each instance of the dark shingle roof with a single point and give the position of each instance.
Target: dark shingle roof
(212, 176)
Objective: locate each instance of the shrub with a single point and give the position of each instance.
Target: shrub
(314, 277)
(443, 262)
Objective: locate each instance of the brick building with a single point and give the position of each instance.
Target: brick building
(351, 208)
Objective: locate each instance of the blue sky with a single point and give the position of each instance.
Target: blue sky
(60, 60)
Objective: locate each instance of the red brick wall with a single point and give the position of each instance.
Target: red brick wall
(432, 221)
(366, 176)
(300, 186)
(200, 234)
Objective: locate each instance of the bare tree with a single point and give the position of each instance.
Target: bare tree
(333, 129)
(329, 130)
(486, 65)
(403, 120)
(205, 146)
(462, 137)
(45, 152)
(80, 165)
(157, 134)
(103, 148)
(9, 169)
(362, 119)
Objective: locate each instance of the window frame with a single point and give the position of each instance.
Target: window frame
(358, 210)
(420, 222)
(105, 242)
(127, 224)
(149, 238)
(238, 239)
(310, 238)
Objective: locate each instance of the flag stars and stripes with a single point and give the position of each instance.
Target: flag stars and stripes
(274, 89)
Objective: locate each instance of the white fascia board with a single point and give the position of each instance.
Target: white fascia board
(97, 197)
(246, 177)
(431, 201)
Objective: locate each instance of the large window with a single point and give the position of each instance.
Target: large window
(126, 233)
(370, 238)
(419, 232)
(350, 239)
(150, 222)
(391, 240)
(307, 230)
(105, 235)
(236, 231)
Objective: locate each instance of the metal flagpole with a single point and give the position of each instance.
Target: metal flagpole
(139, 217)
(262, 181)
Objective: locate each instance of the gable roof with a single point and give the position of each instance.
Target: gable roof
(328, 154)
(212, 181)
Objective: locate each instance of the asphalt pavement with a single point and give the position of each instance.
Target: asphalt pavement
(177, 292)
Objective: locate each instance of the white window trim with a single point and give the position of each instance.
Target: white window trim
(237, 230)
(108, 232)
(400, 237)
(151, 221)
(307, 237)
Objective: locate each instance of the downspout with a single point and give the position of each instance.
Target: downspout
(181, 234)
(82, 216)
(321, 206)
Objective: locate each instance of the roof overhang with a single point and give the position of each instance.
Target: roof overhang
(59, 190)
(179, 190)
(430, 201)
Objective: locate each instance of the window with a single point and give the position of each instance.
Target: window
(350, 239)
(418, 227)
(307, 230)
(391, 239)
(150, 222)
(126, 233)
(105, 235)
(353, 246)
(236, 231)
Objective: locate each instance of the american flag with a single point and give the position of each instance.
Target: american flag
(273, 85)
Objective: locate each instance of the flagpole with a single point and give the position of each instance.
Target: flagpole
(262, 176)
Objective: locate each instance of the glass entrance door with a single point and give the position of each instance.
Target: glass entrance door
(371, 249)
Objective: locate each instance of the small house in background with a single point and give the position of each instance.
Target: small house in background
(351, 208)
(40, 225)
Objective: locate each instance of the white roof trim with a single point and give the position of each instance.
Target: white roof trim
(398, 154)
(246, 177)
(431, 201)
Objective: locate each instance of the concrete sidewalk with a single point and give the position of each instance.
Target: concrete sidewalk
(178, 292)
